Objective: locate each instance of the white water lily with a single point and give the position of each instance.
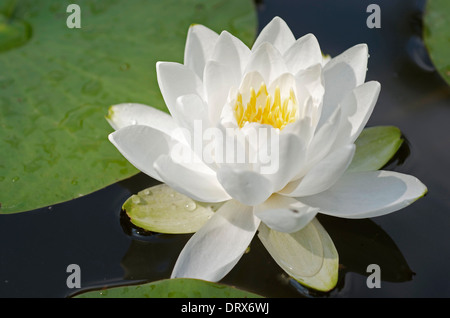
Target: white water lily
(315, 107)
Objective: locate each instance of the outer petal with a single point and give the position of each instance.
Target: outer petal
(248, 187)
(195, 180)
(200, 44)
(367, 194)
(214, 250)
(323, 175)
(305, 52)
(356, 109)
(285, 214)
(219, 78)
(141, 146)
(128, 114)
(341, 75)
(277, 33)
(176, 80)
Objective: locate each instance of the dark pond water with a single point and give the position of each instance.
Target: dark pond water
(411, 246)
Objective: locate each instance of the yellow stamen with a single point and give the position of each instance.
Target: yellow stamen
(264, 109)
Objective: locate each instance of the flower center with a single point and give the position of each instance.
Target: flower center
(266, 109)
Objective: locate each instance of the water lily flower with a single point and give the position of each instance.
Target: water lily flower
(314, 108)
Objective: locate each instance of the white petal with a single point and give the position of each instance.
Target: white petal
(277, 33)
(325, 59)
(286, 160)
(190, 108)
(285, 214)
(367, 194)
(302, 127)
(215, 249)
(356, 58)
(230, 51)
(268, 61)
(305, 52)
(311, 79)
(356, 109)
(341, 75)
(128, 114)
(285, 82)
(323, 139)
(251, 80)
(191, 117)
(219, 78)
(176, 80)
(323, 175)
(228, 117)
(193, 179)
(200, 44)
(248, 187)
(142, 146)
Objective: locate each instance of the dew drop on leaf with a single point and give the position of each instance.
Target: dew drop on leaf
(190, 206)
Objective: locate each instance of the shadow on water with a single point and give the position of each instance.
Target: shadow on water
(151, 256)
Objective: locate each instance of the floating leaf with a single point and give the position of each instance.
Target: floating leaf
(56, 85)
(171, 288)
(375, 146)
(164, 210)
(309, 255)
(436, 34)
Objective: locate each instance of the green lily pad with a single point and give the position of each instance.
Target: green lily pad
(309, 255)
(171, 288)
(436, 35)
(164, 210)
(375, 146)
(57, 83)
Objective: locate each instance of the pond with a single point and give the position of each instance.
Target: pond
(411, 246)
